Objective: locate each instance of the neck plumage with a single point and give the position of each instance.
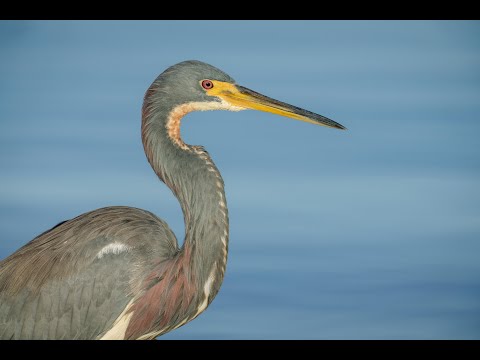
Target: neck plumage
(196, 182)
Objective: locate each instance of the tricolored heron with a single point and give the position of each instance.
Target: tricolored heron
(118, 272)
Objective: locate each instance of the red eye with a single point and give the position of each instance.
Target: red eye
(207, 84)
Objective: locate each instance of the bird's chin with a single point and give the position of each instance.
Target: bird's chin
(225, 105)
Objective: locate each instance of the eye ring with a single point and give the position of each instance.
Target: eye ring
(207, 84)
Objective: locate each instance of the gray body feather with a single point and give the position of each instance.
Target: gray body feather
(118, 272)
(58, 287)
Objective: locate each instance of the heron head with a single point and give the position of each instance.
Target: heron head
(212, 89)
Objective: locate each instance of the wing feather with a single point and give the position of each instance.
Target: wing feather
(56, 287)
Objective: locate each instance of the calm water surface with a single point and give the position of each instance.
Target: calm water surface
(372, 233)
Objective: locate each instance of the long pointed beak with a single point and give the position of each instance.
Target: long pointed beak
(244, 97)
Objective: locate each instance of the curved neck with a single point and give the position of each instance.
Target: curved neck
(194, 179)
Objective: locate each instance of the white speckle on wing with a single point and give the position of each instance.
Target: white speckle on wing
(113, 248)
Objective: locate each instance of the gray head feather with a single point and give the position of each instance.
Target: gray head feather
(181, 82)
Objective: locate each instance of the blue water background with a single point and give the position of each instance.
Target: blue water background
(372, 233)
